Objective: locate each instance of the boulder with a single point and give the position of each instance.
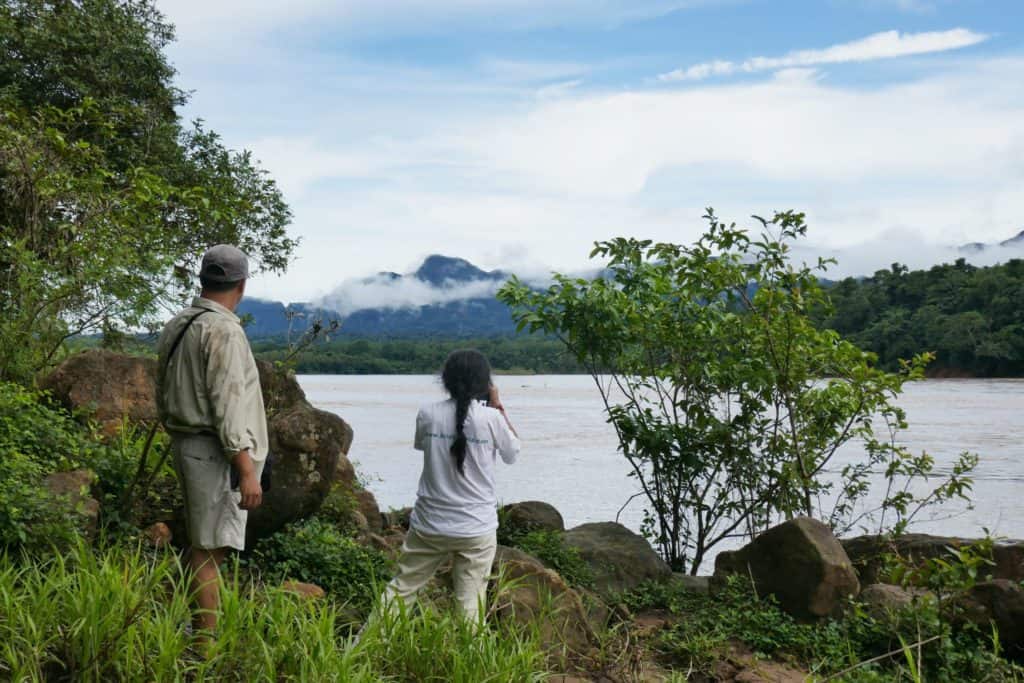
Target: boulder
(306, 443)
(867, 553)
(539, 596)
(367, 506)
(159, 535)
(801, 563)
(881, 599)
(281, 390)
(505, 554)
(308, 591)
(697, 584)
(72, 489)
(532, 515)
(998, 602)
(619, 559)
(345, 471)
(390, 543)
(398, 519)
(105, 387)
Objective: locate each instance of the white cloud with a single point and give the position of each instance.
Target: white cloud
(884, 45)
(381, 291)
(966, 128)
(939, 155)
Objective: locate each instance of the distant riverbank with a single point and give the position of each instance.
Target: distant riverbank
(522, 355)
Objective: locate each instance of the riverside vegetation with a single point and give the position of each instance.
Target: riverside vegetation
(105, 200)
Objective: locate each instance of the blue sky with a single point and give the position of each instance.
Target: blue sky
(514, 133)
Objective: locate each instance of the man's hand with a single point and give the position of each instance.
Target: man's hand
(248, 482)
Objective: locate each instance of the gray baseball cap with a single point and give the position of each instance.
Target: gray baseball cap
(224, 263)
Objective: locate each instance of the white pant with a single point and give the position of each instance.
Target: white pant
(422, 554)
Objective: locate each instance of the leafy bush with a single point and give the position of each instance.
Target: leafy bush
(339, 509)
(708, 622)
(547, 546)
(136, 482)
(316, 551)
(550, 548)
(35, 440)
(728, 403)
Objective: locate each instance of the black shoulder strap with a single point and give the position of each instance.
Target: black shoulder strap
(177, 341)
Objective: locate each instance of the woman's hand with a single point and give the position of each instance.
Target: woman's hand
(493, 400)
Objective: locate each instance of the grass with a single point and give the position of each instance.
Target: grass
(120, 614)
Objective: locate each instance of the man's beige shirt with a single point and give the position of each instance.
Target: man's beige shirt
(211, 384)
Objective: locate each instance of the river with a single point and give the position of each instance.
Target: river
(569, 453)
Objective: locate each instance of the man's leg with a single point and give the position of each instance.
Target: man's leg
(205, 566)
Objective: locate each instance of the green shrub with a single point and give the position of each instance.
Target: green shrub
(547, 546)
(316, 551)
(339, 509)
(36, 440)
(550, 548)
(708, 622)
(132, 497)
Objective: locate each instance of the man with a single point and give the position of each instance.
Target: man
(209, 401)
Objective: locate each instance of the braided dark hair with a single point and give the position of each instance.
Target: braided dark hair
(466, 377)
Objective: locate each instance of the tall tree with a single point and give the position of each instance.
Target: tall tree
(106, 199)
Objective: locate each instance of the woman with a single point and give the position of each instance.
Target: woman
(456, 507)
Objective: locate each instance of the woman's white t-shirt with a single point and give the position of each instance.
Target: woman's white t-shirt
(449, 503)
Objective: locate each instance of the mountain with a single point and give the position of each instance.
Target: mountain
(442, 271)
(1015, 242)
(445, 296)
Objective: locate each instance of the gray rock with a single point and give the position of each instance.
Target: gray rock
(867, 553)
(505, 554)
(398, 519)
(533, 514)
(72, 490)
(619, 559)
(370, 511)
(999, 602)
(306, 443)
(881, 599)
(697, 584)
(538, 597)
(801, 563)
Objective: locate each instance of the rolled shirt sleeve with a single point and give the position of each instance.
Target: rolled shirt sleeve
(227, 376)
(505, 441)
(419, 441)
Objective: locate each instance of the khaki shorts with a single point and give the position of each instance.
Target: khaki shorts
(211, 507)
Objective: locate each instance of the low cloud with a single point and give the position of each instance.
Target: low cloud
(385, 291)
(904, 246)
(884, 45)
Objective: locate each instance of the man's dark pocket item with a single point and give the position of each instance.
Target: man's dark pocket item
(265, 478)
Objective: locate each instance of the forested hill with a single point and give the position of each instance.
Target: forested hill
(971, 317)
